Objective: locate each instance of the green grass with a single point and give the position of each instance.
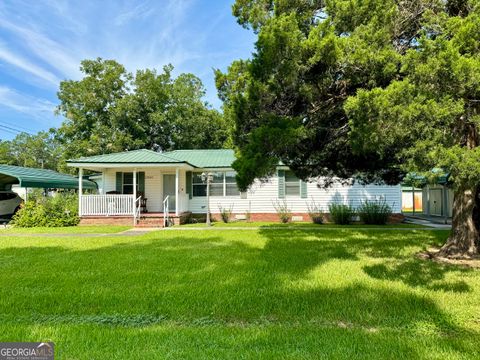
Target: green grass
(107, 229)
(264, 224)
(261, 294)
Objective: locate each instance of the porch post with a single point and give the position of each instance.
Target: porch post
(103, 181)
(177, 196)
(80, 190)
(134, 190)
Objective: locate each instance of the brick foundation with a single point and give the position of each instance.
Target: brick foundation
(107, 220)
(273, 217)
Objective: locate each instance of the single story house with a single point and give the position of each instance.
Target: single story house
(148, 186)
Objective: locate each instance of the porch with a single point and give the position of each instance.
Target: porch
(139, 195)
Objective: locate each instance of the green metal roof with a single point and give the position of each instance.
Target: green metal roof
(435, 176)
(39, 178)
(215, 158)
(136, 156)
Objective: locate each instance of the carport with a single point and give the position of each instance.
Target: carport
(39, 178)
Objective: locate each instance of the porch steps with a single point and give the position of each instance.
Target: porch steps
(150, 221)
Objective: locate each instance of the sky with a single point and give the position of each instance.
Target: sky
(43, 41)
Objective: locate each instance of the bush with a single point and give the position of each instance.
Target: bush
(225, 213)
(374, 212)
(315, 212)
(283, 212)
(57, 211)
(341, 214)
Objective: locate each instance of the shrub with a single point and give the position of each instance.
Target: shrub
(225, 213)
(374, 212)
(59, 210)
(283, 212)
(315, 212)
(341, 214)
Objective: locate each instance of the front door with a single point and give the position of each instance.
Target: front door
(169, 190)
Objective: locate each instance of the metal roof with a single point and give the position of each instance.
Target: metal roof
(39, 178)
(214, 158)
(142, 156)
(435, 176)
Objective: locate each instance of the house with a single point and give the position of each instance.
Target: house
(170, 184)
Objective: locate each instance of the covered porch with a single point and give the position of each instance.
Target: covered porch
(136, 191)
(133, 185)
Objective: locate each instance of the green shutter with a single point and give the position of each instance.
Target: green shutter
(189, 184)
(141, 182)
(119, 183)
(303, 190)
(281, 184)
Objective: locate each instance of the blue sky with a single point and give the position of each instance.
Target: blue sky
(43, 41)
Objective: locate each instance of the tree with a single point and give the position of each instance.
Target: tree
(431, 114)
(37, 151)
(111, 110)
(345, 89)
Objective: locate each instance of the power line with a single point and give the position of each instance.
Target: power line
(16, 126)
(5, 127)
(8, 131)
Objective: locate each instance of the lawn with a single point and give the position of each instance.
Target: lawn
(259, 294)
(94, 229)
(267, 224)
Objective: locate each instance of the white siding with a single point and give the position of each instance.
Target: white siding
(262, 196)
(153, 184)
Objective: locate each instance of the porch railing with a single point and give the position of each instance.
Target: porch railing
(107, 205)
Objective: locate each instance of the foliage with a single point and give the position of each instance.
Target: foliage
(56, 211)
(113, 110)
(225, 213)
(362, 89)
(283, 211)
(315, 212)
(341, 214)
(374, 212)
(36, 151)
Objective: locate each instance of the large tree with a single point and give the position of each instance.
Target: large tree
(38, 151)
(365, 89)
(111, 110)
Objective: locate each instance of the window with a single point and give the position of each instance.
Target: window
(231, 188)
(128, 183)
(292, 184)
(216, 186)
(223, 184)
(199, 187)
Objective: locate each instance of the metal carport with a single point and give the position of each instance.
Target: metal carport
(39, 178)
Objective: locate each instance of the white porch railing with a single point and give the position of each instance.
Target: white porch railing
(107, 205)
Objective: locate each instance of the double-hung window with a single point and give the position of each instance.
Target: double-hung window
(292, 184)
(223, 184)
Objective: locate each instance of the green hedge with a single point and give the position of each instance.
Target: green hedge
(56, 211)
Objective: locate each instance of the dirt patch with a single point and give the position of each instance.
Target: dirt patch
(432, 254)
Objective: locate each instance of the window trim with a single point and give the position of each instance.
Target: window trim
(298, 182)
(224, 184)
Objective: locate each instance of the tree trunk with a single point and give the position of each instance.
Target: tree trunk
(464, 240)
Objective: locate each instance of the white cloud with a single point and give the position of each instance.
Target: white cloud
(41, 110)
(26, 65)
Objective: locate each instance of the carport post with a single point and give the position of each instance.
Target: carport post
(80, 190)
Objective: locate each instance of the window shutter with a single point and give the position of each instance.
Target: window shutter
(141, 182)
(119, 183)
(189, 184)
(303, 189)
(281, 184)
